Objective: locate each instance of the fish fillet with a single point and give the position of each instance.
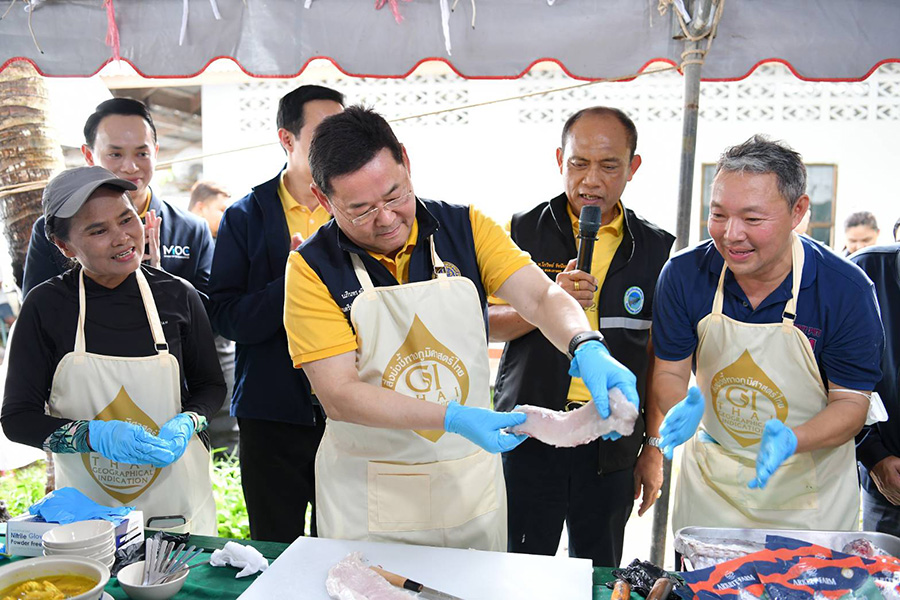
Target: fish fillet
(352, 579)
(580, 426)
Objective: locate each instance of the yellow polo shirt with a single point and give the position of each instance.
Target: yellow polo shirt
(299, 218)
(608, 239)
(316, 327)
(143, 211)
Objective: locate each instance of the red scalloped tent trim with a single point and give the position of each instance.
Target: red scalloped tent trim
(455, 70)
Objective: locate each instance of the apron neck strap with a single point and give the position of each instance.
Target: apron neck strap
(797, 260)
(790, 309)
(159, 338)
(366, 282)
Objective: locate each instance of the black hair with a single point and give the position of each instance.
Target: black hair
(58, 227)
(116, 106)
(761, 155)
(604, 111)
(290, 107)
(864, 218)
(896, 227)
(346, 142)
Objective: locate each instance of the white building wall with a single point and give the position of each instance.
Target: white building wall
(501, 157)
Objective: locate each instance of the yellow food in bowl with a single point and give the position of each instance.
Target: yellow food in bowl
(55, 587)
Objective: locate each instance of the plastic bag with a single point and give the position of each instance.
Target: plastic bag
(642, 575)
(135, 552)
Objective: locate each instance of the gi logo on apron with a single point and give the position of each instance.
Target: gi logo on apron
(122, 481)
(426, 369)
(744, 398)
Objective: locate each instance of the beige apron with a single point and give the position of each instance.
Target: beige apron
(750, 373)
(142, 390)
(425, 340)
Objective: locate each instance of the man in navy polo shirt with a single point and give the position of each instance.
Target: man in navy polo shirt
(786, 341)
(121, 137)
(878, 445)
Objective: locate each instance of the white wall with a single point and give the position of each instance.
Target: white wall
(501, 157)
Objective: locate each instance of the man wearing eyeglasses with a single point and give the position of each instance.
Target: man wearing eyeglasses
(385, 311)
(279, 419)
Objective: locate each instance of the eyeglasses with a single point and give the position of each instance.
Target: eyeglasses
(370, 214)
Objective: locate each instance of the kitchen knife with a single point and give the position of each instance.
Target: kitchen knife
(408, 584)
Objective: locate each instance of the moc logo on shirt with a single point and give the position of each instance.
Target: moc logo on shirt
(422, 367)
(173, 251)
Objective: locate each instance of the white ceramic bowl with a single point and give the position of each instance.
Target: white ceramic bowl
(79, 534)
(43, 566)
(130, 579)
(101, 548)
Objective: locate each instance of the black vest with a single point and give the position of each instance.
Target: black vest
(532, 371)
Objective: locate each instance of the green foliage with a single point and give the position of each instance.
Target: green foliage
(230, 508)
(23, 487)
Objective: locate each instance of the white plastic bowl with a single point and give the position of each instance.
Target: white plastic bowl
(79, 534)
(101, 548)
(130, 579)
(44, 566)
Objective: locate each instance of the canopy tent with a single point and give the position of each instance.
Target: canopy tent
(591, 39)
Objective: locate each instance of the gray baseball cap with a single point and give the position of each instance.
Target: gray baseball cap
(68, 191)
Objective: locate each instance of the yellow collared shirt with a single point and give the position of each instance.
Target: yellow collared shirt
(299, 218)
(316, 327)
(608, 239)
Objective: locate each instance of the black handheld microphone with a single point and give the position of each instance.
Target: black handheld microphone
(588, 226)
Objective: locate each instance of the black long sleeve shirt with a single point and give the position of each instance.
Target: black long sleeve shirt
(116, 324)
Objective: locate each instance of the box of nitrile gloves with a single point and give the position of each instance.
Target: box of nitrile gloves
(24, 533)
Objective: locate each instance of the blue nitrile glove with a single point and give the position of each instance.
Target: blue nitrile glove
(600, 371)
(127, 442)
(177, 431)
(484, 427)
(67, 505)
(778, 444)
(682, 421)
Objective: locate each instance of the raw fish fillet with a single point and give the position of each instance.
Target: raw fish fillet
(352, 579)
(580, 426)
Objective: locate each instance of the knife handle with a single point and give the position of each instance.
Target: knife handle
(399, 580)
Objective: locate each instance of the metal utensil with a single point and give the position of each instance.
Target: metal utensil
(408, 584)
(184, 567)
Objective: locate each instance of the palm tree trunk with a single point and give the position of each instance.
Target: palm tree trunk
(29, 154)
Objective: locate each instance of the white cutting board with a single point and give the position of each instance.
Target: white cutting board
(300, 572)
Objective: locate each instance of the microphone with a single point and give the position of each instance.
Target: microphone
(588, 226)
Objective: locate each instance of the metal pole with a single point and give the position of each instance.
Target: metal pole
(701, 20)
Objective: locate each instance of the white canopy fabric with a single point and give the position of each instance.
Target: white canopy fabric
(591, 39)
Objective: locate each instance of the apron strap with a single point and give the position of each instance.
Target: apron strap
(797, 260)
(437, 264)
(159, 338)
(720, 292)
(366, 282)
(360, 269)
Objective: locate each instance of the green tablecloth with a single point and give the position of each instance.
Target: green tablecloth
(219, 583)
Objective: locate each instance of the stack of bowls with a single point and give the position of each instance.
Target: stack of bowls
(90, 539)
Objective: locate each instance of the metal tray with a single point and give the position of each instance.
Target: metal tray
(835, 540)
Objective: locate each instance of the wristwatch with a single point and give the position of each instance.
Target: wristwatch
(581, 338)
(653, 441)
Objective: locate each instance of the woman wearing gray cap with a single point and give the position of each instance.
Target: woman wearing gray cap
(122, 356)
